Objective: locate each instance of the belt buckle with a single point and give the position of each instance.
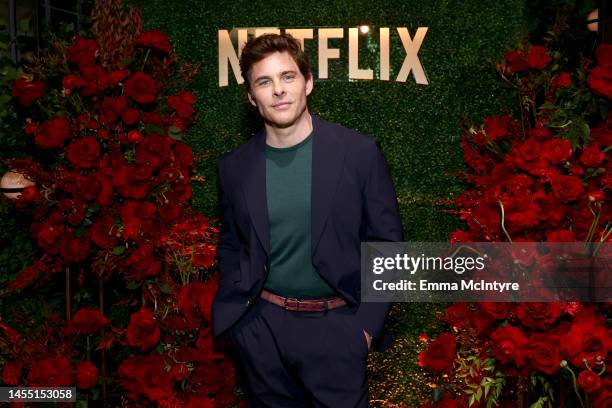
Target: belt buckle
(296, 302)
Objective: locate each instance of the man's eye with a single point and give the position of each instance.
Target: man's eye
(289, 77)
(263, 83)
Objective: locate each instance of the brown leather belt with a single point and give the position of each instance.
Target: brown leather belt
(303, 305)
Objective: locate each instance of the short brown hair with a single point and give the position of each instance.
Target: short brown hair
(260, 47)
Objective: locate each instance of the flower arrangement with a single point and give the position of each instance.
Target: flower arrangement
(544, 177)
(111, 216)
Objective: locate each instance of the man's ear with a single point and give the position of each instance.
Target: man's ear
(309, 83)
(251, 98)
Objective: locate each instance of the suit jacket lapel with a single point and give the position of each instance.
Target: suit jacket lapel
(327, 162)
(254, 188)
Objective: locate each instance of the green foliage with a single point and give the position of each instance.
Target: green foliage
(11, 138)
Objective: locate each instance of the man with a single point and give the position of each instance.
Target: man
(297, 201)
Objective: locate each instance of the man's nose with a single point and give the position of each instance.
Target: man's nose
(279, 89)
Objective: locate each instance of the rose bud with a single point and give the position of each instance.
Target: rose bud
(134, 136)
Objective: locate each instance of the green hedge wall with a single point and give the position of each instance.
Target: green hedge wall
(418, 126)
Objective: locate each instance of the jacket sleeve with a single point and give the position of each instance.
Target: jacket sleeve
(383, 223)
(228, 246)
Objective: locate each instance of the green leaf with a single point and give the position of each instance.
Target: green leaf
(118, 250)
(479, 394)
(175, 133)
(165, 288)
(133, 285)
(79, 231)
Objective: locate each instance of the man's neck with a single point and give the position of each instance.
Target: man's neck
(292, 135)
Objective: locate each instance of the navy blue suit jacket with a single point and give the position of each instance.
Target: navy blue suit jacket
(353, 200)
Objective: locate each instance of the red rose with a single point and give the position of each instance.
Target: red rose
(27, 91)
(440, 354)
(497, 310)
(458, 315)
(53, 371)
(53, 133)
(137, 219)
(603, 399)
(155, 39)
(567, 188)
(587, 340)
(86, 375)
(86, 321)
(83, 51)
(134, 136)
(551, 210)
(557, 150)
(143, 330)
(95, 186)
(104, 232)
(592, 156)
(589, 381)
(539, 315)
(12, 372)
(74, 211)
(544, 353)
(600, 80)
(187, 302)
(84, 152)
(48, 233)
(147, 376)
(141, 87)
(540, 133)
(182, 103)
(515, 61)
(538, 58)
(497, 127)
(563, 80)
(73, 248)
(169, 212)
(130, 116)
(530, 150)
(29, 194)
(153, 150)
(142, 263)
(507, 343)
(117, 105)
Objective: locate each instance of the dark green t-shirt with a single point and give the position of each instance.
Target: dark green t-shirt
(288, 190)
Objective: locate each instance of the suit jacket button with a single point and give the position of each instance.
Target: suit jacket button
(248, 303)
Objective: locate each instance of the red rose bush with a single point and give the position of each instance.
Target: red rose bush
(112, 219)
(543, 178)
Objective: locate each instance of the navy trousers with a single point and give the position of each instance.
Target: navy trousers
(301, 359)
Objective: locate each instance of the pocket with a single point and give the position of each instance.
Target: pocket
(354, 329)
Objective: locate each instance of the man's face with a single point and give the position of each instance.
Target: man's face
(279, 90)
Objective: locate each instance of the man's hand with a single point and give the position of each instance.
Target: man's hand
(368, 338)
